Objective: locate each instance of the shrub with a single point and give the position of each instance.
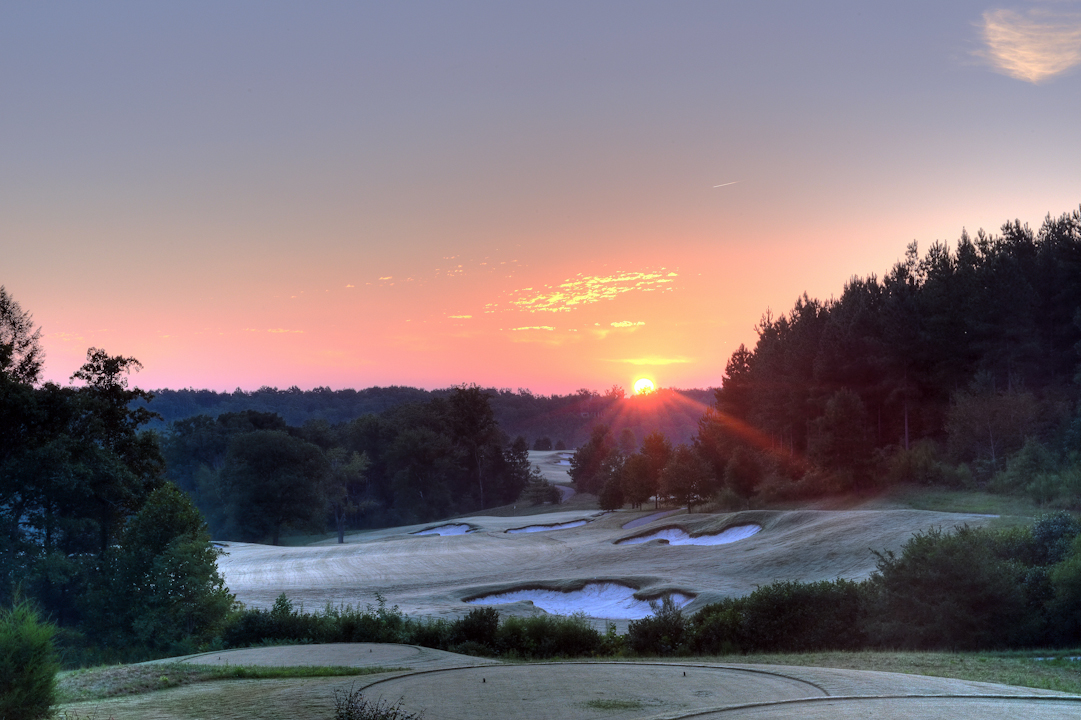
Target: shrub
(547, 636)
(28, 664)
(800, 617)
(950, 591)
(659, 634)
(478, 626)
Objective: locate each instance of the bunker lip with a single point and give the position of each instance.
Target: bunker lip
(543, 528)
(446, 529)
(674, 535)
(607, 599)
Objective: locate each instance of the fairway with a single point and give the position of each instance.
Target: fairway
(445, 686)
(436, 575)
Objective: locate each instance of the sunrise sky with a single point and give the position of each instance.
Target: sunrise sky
(518, 195)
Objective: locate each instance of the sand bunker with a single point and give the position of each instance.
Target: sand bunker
(542, 528)
(446, 530)
(600, 600)
(676, 536)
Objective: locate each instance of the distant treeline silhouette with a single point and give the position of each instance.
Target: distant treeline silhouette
(557, 417)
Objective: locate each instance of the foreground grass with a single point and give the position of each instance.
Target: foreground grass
(1023, 669)
(115, 681)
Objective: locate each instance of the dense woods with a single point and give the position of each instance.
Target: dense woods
(958, 368)
(253, 475)
(90, 530)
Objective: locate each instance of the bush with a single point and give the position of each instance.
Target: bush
(659, 634)
(548, 636)
(28, 664)
(800, 617)
(478, 626)
(951, 591)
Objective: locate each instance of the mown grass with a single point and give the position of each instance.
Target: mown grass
(1011, 510)
(120, 680)
(1047, 670)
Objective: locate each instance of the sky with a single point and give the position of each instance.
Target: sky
(549, 196)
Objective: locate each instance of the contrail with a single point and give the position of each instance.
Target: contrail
(723, 184)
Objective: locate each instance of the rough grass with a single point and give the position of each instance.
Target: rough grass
(106, 682)
(1024, 669)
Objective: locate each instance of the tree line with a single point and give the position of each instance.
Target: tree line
(90, 531)
(254, 476)
(958, 368)
(562, 419)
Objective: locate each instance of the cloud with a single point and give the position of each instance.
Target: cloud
(656, 360)
(1033, 46)
(536, 327)
(588, 289)
(626, 324)
(459, 317)
(281, 331)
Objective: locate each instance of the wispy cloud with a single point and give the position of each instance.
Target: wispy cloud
(655, 360)
(549, 328)
(588, 289)
(284, 331)
(1033, 46)
(626, 324)
(459, 317)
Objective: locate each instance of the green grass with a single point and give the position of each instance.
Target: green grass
(105, 682)
(1009, 668)
(1011, 510)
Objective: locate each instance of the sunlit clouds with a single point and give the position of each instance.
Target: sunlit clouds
(1033, 46)
(588, 289)
(627, 324)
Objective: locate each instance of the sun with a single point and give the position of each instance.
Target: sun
(643, 386)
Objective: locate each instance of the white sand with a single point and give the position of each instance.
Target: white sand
(446, 530)
(675, 536)
(542, 528)
(599, 600)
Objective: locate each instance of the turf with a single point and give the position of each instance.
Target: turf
(120, 680)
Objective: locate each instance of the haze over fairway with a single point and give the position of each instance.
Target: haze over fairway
(242, 194)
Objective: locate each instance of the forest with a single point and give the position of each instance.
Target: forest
(567, 418)
(958, 368)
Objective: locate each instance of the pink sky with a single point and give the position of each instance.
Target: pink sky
(246, 194)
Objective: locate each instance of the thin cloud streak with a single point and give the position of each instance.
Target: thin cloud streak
(1034, 46)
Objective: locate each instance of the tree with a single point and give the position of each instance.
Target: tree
(658, 450)
(840, 441)
(20, 347)
(611, 495)
(162, 590)
(271, 481)
(587, 461)
(473, 428)
(687, 477)
(985, 425)
(637, 480)
(346, 473)
(542, 444)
